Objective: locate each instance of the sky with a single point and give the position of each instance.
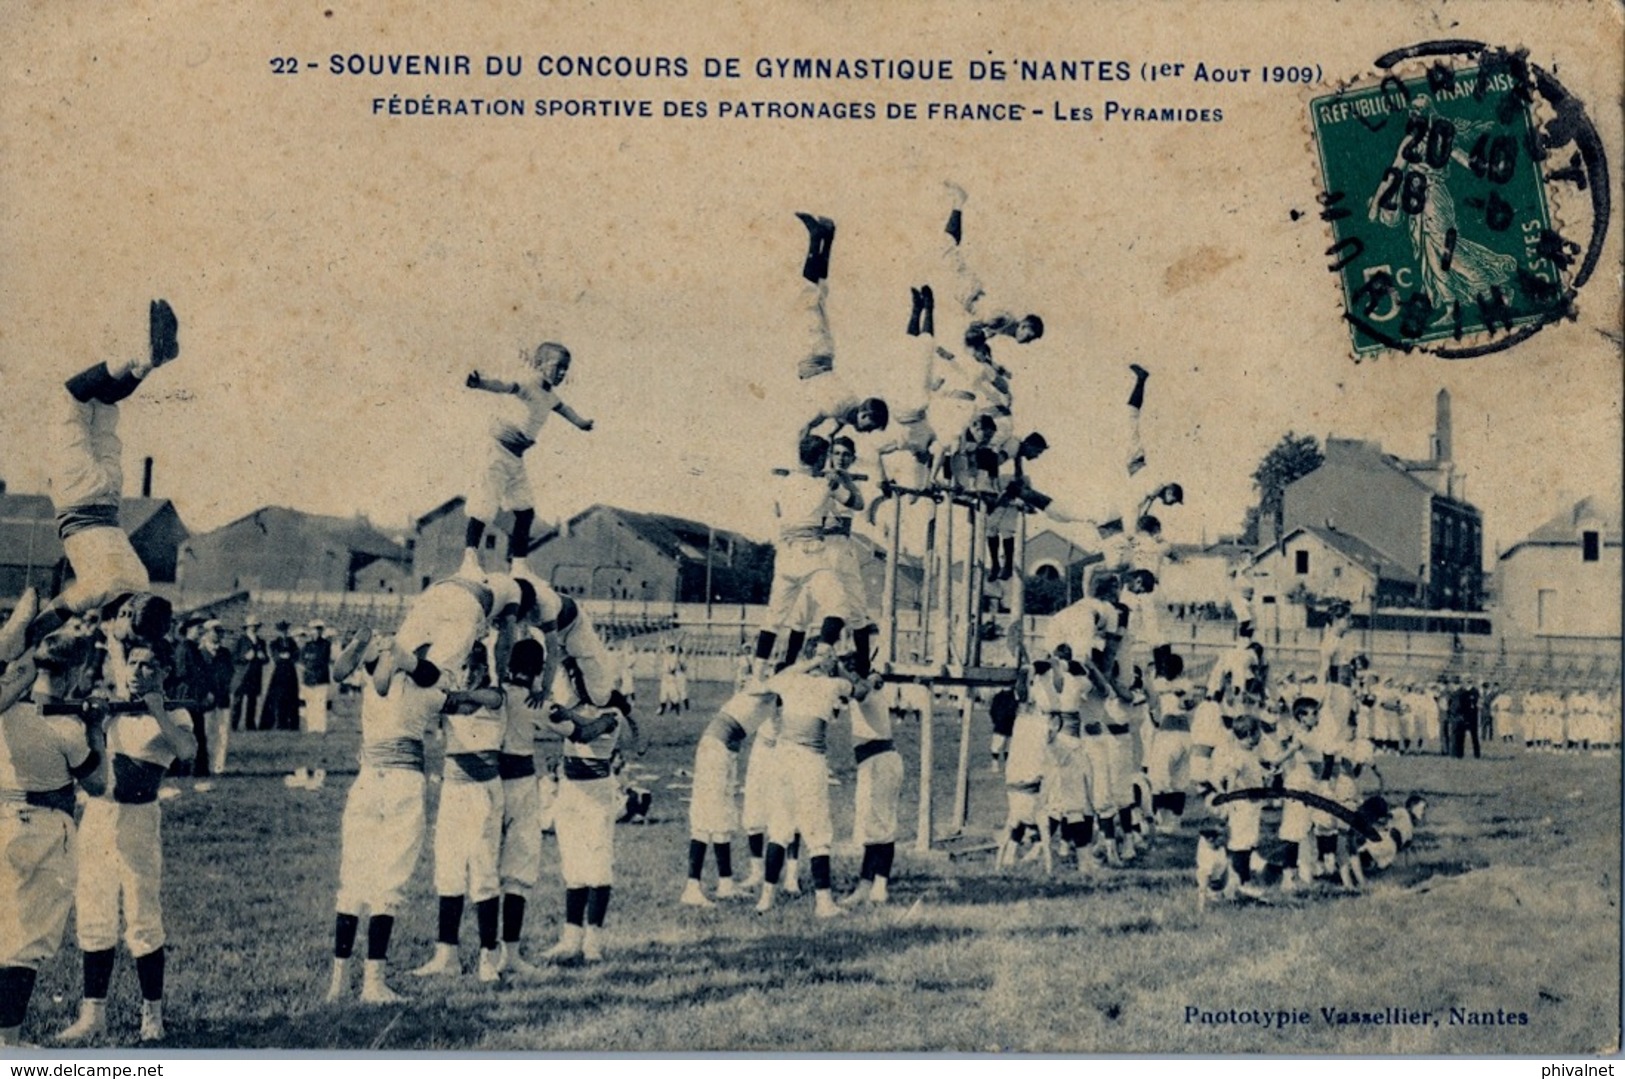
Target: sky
(337, 272)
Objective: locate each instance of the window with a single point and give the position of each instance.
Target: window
(1590, 548)
(491, 542)
(1300, 562)
(1546, 609)
(1337, 571)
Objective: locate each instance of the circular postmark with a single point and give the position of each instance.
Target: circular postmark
(1467, 194)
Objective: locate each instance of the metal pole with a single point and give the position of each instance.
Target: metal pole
(710, 542)
(962, 776)
(975, 524)
(888, 594)
(948, 583)
(928, 582)
(1018, 584)
(922, 829)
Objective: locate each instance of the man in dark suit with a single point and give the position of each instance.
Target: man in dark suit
(252, 655)
(316, 677)
(190, 681)
(1464, 706)
(222, 667)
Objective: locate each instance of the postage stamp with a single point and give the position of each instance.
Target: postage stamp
(1441, 190)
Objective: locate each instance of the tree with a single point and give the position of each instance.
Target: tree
(1292, 458)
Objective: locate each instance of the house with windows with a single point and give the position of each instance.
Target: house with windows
(1310, 567)
(1413, 513)
(1563, 579)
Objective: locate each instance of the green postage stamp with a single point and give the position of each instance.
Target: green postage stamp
(1440, 192)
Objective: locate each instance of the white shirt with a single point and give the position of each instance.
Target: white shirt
(518, 424)
(803, 503)
(808, 703)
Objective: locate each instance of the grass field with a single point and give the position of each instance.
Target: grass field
(1509, 900)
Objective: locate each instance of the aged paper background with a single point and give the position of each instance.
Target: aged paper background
(337, 268)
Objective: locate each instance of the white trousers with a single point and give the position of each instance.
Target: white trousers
(37, 874)
(380, 836)
(121, 850)
(468, 839)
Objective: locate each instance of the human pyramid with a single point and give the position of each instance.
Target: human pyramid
(1101, 737)
(498, 659)
(493, 658)
(955, 439)
(1098, 764)
(83, 707)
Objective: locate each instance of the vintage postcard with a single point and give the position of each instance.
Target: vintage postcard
(1047, 528)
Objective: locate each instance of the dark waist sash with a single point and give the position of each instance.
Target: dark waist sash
(80, 518)
(472, 767)
(568, 613)
(515, 443)
(873, 748)
(515, 765)
(815, 741)
(136, 782)
(405, 754)
(586, 768)
(1031, 786)
(837, 526)
(1117, 728)
(1071, 722)
(727, 730)
(1093, 728)
(60, 799)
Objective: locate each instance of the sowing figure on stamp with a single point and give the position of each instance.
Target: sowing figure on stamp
(1453, 269)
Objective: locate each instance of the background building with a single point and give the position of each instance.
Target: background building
(1197, 579)
(1055, 569)
(605, 552)
(1563, 579)
(1413, 514)
(1311, 566)
(436, 543)
(283, 549)
(31, 554)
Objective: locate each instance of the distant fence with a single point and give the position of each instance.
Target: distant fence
(713, 636)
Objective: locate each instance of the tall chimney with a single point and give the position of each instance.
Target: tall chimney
(146, 477)
(1441, 427)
